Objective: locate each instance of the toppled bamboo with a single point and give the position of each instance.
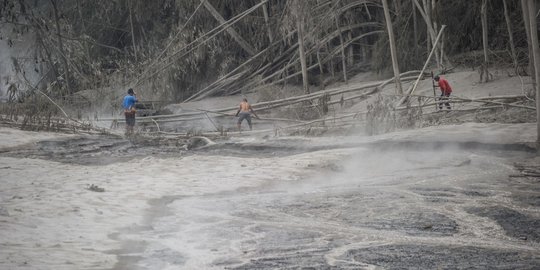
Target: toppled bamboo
(405, 98)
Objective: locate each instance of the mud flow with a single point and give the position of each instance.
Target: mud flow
(102, 150)
(394, 205)
(390, 206)
(95, 150)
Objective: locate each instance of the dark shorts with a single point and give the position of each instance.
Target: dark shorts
(244, 115)
(130, 118)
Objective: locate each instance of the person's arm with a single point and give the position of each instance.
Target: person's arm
(253, 112)
(237, 112)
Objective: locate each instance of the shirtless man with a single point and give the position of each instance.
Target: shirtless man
(244, 112)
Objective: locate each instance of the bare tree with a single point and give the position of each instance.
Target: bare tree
(536, 59)
(392, 46)
(425, 11)
(61, 47)
(350, 50)
(415, 29)
(524, 9)
(483, 14)
(299, 12)
(510, 36)
(267, 22)
(343, 58)
(132, 31)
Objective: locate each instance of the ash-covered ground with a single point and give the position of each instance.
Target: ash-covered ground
(451, 197)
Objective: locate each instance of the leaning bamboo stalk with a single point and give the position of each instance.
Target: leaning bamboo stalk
(158, 58)
(405, 98)
(235, 35)
(326, 59)
(319, 94)
(325, 40)
(198, 42)
(210, 89)
(287, 101)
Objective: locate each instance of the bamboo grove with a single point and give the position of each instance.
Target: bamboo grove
(181, 50)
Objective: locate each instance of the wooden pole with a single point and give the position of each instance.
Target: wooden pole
(434, 91)
(392, 46)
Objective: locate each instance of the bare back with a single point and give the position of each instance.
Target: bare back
(244, 106)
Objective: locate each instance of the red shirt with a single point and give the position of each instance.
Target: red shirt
(445, 86)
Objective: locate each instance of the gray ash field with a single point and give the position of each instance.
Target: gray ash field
(398, 202)
(450, 207)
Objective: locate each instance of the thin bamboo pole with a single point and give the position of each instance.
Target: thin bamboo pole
(405, 98)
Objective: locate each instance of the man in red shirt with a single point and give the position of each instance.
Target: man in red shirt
(445, 92)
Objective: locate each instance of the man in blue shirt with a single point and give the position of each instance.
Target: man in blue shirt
(129, 110)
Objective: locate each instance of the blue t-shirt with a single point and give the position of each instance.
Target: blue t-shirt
(129, 101)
